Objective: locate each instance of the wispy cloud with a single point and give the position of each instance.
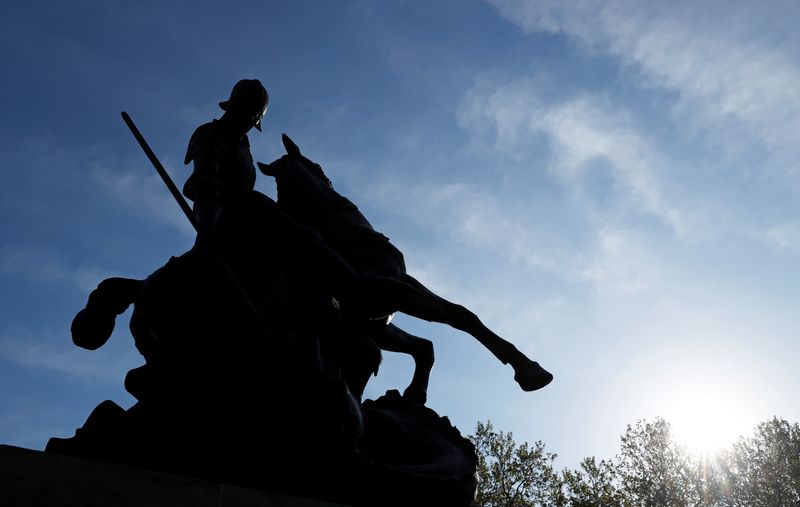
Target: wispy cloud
(474, 217)
(143, 193)
(623, 264)
(586, 134)
(732, 66)
(784, 235)
(41, 266)
(200, 113)
(583, 131)
(52, 350)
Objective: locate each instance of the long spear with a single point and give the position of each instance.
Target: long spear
(160, 170)
(190, 215)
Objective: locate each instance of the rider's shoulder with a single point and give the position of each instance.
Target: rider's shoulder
(210, 129)
(204, 141)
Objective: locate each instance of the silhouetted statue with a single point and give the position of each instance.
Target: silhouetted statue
(306, 194)
(258, 342)
(217, 400)
(224, 177)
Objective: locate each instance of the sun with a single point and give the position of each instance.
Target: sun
(707, 419)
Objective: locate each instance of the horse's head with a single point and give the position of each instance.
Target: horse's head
(294, 162)
(304, 192)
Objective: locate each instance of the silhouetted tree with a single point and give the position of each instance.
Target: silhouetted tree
(593, 484)
(650, 471)
(653, 470)
(764, 469)
(512, 475)
(707, 481)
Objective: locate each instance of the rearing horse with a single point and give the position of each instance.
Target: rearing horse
(307, 195)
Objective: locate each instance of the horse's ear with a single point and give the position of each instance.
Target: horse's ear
(291, 148)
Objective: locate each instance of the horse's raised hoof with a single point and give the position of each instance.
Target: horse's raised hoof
(530, 376)
(91, 329)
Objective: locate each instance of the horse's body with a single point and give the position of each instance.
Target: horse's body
(307, 195)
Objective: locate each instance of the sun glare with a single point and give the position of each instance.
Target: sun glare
(705, 421)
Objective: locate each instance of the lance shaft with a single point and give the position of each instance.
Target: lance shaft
(238, 289)
(160, 170)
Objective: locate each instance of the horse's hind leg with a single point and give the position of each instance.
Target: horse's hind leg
(427, 305)
(93, 325)
(360, 360)
(395, 339)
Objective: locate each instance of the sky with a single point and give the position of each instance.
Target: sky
(612, 186)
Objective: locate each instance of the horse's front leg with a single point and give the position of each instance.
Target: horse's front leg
(417, 300)
(395, 339)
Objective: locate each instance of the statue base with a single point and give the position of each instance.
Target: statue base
(34, 478)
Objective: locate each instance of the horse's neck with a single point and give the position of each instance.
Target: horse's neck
(319, 206)
(343, 214)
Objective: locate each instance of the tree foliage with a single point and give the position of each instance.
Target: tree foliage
(762, 469)
(593, 484)
(511, 475)
(652, 469)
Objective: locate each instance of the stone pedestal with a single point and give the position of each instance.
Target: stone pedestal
(34, 478)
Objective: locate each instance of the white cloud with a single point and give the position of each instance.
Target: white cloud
(733, 79)
(45, 267)
(785, 235)
(623, 263)
(53, 350)
(504, 110)
(143, 193)
(473, 217)
(198, 114)
(619, 265)
(583, 132)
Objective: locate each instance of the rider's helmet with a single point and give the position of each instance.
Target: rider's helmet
(249, 97)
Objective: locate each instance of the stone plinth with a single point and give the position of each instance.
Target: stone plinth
(34, 478)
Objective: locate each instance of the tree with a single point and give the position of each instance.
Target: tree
(653, 470)
(592, 485)
(764, 469)
(511, 475)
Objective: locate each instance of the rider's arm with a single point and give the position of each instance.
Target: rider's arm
(204, 185)
(204, 192)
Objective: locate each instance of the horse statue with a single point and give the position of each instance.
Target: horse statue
(307, 195)
(257, 352)
(257, 399)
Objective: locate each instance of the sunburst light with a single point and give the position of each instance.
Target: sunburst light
(707, 418)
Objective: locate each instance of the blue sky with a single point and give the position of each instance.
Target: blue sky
(613, 186)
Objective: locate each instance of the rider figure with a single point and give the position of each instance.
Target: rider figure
(221, 188)
(220, 150)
